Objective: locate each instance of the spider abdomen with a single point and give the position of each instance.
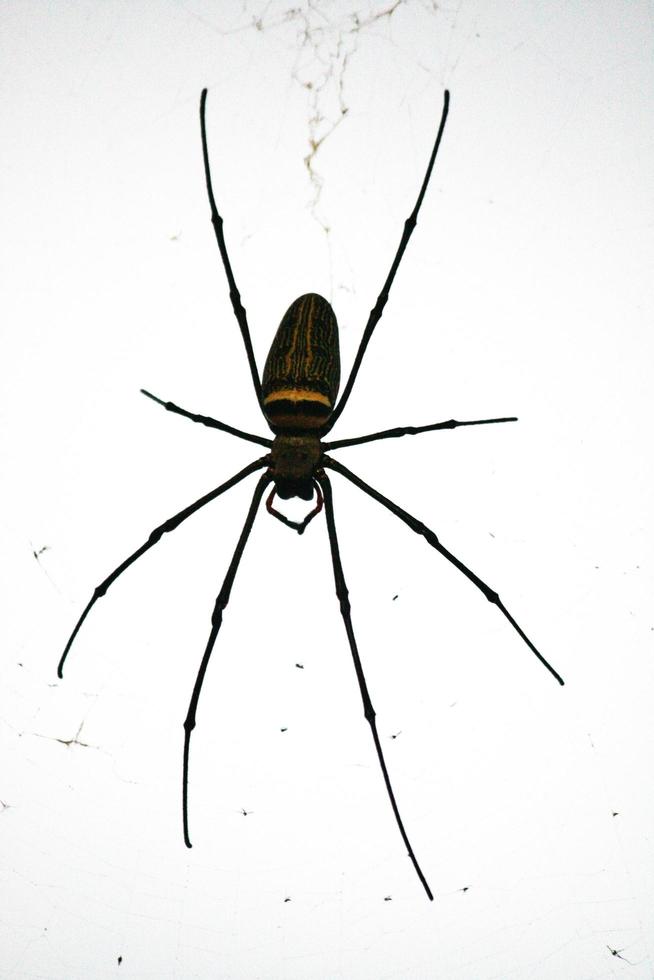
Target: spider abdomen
(302, 372)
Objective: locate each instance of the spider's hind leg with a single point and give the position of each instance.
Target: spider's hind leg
(217, 222)
(208, 421)
(378, 308)
(410, 430)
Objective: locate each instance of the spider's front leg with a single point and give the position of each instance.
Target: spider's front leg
(216, 622)
(368, 710)
(432, 539)
(155, 536)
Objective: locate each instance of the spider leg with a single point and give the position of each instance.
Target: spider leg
(217, 222)
(154, 537)
(407, 430)
(369, 711)
(378, 308)
(216, 622)
(207, 420)
(431, 539)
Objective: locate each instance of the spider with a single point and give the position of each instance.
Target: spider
(297, 394)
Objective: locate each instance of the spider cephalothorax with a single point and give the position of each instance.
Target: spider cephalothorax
(297, 396)
(293, 464)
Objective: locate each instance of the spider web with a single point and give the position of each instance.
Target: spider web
(522, 292)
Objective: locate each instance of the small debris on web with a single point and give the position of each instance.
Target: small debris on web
(68, 741)
(616, 952)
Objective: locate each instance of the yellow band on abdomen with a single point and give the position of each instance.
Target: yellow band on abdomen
(297, 395)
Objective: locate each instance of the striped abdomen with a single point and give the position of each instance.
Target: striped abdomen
(302, 372)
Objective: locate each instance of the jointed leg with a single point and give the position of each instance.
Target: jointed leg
(378, 308)
(217, 222)
(369, 711)
(155, 536)
(431, 539)
(216, 622)
(407, 430)
(207, 420)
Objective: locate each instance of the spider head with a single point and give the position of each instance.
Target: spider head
(293, 462)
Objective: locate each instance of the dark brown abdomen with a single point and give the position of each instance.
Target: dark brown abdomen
(302, 372)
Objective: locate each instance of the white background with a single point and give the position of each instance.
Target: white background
(525, 290)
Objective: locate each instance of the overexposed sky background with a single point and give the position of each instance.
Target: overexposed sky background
(525, 290)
